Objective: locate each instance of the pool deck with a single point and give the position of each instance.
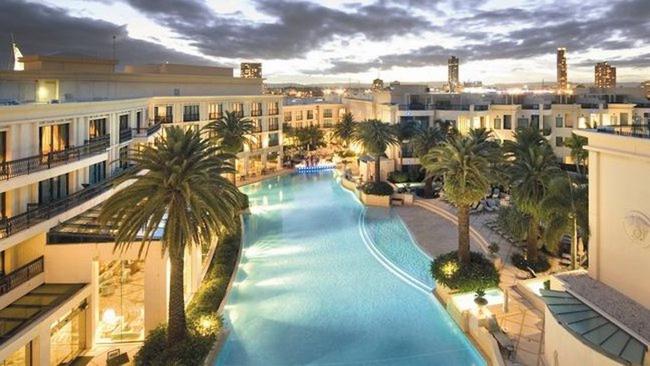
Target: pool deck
(436, 234)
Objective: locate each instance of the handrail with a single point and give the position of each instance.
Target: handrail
(15, 224)
(635, 130)
(126, 135)
(149, 130)
(21, 275)
(28, 165)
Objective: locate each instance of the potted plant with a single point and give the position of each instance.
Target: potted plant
(479, 298)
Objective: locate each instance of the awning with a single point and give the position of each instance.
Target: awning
(594, 329)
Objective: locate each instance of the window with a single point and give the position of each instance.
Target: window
(559, 121)
(52, 189)
(274, 124)
(258, 125)
(238, 108)
(310, 114)
(191, 113)
(124, 122)
(123, 162)
(287, 116)
(547, 125)
(96, 128)
(273, 108)
(163, 114)
(522, 122)
(327, 123)
(482, 122)
(568, 121)
(624, 119)
(274, 139)
(54, 138)
(559, 141)
(256, 109)
(3, 146)
(327, 113)
(21, 357)
(298, 115)
(507, 122)
(215, 111)
(497, 123)
(97, 173)
(138, 119)
(121, 301)
(68, 337)
(534, 121)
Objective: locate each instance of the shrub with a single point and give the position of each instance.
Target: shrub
(191, 351)
(398, 177)
(479, 274)
(493, 248)
(541, 265)
(378, 189)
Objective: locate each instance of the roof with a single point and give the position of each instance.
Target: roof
(594, 329)
(26, 310)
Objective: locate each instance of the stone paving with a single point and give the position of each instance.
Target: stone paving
(437, 234)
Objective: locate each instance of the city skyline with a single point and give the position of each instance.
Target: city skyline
(336, 41)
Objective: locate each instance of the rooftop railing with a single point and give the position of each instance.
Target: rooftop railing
(15, 224)
(642, 131)
(21, 275)
(36, 163)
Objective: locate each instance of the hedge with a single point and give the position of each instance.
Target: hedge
(378, 189)
(541, 265)
(203, 320)
(479, 274)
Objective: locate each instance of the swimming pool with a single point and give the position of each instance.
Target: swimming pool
(313, 287)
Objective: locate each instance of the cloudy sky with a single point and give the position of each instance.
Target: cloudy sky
(498, 41)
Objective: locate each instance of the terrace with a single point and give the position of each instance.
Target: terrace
(642, 131)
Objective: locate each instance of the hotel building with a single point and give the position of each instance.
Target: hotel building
(601, 316)
(562, 78)
(453, 80)
(67, 127)
(502, 114)
(605, 75)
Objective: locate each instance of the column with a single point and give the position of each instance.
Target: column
(156, 289)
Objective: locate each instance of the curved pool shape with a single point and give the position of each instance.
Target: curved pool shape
(311, 289)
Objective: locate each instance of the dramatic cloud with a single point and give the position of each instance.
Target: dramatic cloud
(45, 30)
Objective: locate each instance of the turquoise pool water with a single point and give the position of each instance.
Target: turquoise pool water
(312, 289)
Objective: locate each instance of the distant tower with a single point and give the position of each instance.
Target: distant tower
(452, 73)
(251, 70)
(562, 80)
(377, 84)
(605, 75)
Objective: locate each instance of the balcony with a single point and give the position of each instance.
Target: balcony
(126, 135)
(149, 130)
(641, 131)
(21, 275)
(164, 119)
(15, 224)
(274, 127)
(215, 116)
(256, 113)
(274, 111)
(36, 163)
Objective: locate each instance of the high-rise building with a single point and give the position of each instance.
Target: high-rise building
(251, 70)
(646, 88)
(562, 80)
(605, 75)
(452, 73)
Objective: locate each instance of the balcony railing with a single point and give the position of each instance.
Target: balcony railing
(36, 163)
(21, 275)
(214, 116)
(149, 130)
(274, 127)
(256, 113)
(126, 135)
(164, 119)
(12, 225)
(642, 131)
(274, 111)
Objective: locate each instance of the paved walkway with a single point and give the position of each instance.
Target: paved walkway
(432, 223)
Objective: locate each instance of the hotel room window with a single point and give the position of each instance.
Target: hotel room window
(624, 119)
(287, 116)
(298, 115)
(256, 109)
(97, 173)
(96, 128)
(54, 138)
(497, 123)
(274, 139)
(568, 122)
(522, 123)
(559, 121)
(191, 113)
(534, 121)
(310, 114)
(274, 124)
(273, 108)
(327, 113)
(52, 189)
(507, 122)
(238, 108)
(215, 111)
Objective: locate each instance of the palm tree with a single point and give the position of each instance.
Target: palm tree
(466, 172)
(405, 131)
(423, 141)
(565, 210)
(184, 189)
(344, 130)
(578, 154)
(532, 166)
(375, 137)
(309, 138)
(232, 132)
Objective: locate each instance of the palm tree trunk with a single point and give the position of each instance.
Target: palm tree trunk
(378, 169)
(428, 187)
(463, 234)
(531, 241)
(177, 326)
(234, 174)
